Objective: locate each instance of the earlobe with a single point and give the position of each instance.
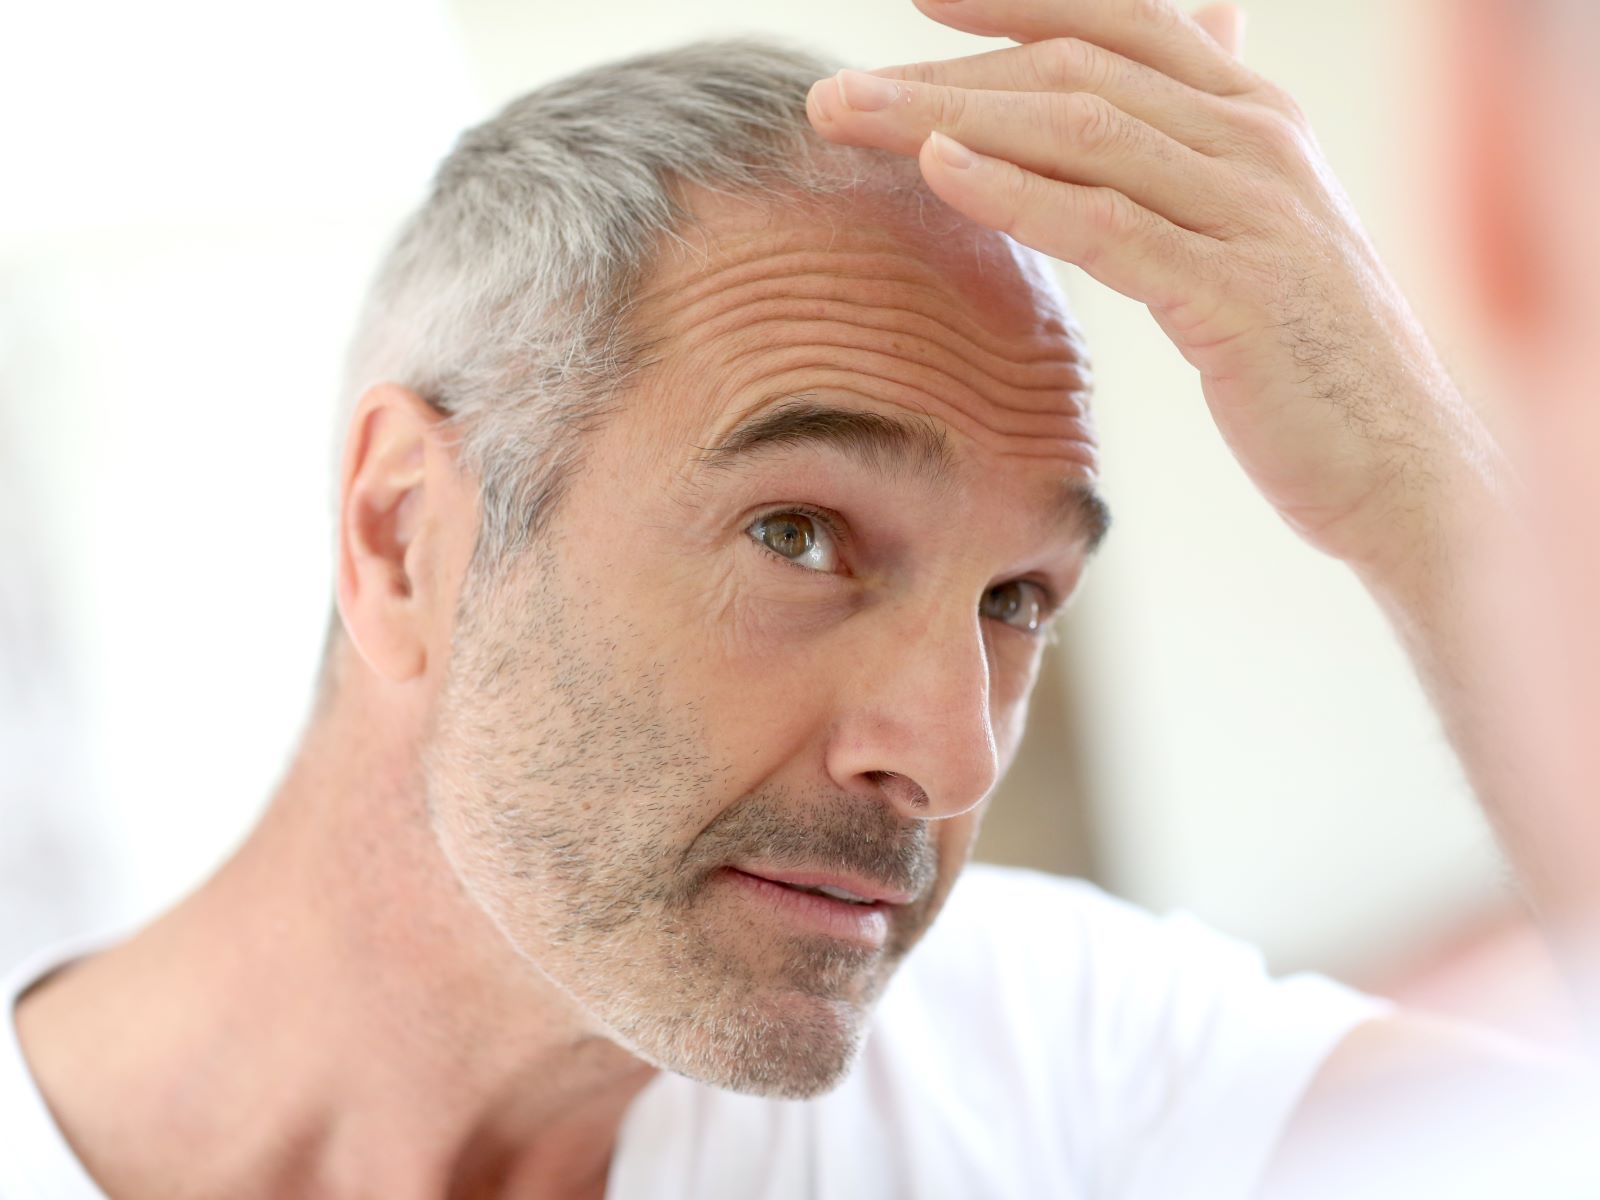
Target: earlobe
(393, 479)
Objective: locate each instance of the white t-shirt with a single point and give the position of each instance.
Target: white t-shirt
(1045, 1040)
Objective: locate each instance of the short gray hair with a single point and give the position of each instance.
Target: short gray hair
(505, 300)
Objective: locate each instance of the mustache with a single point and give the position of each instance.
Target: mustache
(851, 834)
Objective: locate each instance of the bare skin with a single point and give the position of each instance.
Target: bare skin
(372, 999)
(327, 1016)
(1130, 140)
(445, 1029)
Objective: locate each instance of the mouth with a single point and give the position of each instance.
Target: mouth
(837, 885)
(851, 910)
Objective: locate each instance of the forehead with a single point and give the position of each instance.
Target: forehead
(870, 306)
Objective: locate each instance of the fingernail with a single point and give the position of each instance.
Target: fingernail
(866, 93)
(951, 152)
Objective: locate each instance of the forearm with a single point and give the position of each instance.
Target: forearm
(1459, 594)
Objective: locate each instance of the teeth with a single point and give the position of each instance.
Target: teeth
(837, 894)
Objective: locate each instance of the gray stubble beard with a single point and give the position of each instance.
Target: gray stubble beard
(550, 802)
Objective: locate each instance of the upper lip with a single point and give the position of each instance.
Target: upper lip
(867, 889)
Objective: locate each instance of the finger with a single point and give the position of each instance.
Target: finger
(1226, 24)
(1128, 248)
(1075, 137)
(1195, 118)
(1153, 32)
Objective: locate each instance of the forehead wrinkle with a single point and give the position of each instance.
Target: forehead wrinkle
(1049, 344)
(859, 289)
(1069, 436)
(1038, 370)
(1054, 383)
(1046, 341)
(711, 280)
(781, 272)
(1020, 387)
(1067, 424)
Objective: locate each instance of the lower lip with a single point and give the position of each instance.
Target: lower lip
(866, 924)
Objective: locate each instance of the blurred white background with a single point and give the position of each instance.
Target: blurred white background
(195, 195)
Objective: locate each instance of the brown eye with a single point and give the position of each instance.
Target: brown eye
(789, 535)
(1019, 604)
(793, 536)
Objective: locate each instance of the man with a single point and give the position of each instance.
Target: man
(708, 491)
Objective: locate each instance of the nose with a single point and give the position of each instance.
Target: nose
(914, 723)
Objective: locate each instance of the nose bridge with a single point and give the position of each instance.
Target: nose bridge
(921, 715)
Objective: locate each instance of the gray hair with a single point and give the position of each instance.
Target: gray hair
(505, 301)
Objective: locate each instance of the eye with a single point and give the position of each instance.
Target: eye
(797, 537)
(1019, 603)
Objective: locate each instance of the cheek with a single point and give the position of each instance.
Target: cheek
(765, 671)
(748, 658)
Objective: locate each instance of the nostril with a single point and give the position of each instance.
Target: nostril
(901, 789)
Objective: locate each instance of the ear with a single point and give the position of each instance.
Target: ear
(402, 506)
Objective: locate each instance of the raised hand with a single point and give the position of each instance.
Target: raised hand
(1124, 137)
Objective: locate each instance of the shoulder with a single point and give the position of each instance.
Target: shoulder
(39, 1160)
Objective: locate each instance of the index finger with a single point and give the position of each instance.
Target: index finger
(1153, 32)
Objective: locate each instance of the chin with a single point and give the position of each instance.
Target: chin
(790, 1047)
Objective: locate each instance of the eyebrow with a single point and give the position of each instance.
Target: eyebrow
(881, 443)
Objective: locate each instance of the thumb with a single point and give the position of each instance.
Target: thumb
(1225, 23)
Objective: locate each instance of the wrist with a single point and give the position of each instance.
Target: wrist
(1450, 503)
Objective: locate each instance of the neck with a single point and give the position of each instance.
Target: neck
(329, 1015)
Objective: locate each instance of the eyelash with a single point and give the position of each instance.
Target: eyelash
(829, 521)
(1048, 631)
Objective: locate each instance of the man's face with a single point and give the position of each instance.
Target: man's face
(781, 633)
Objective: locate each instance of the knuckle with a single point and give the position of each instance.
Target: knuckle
(1280, 101)
(947, 106)
(918, 72)
(1064, 64)
(1087, 121)
(1278, 138)
(1150, 14)
(1106, 213)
